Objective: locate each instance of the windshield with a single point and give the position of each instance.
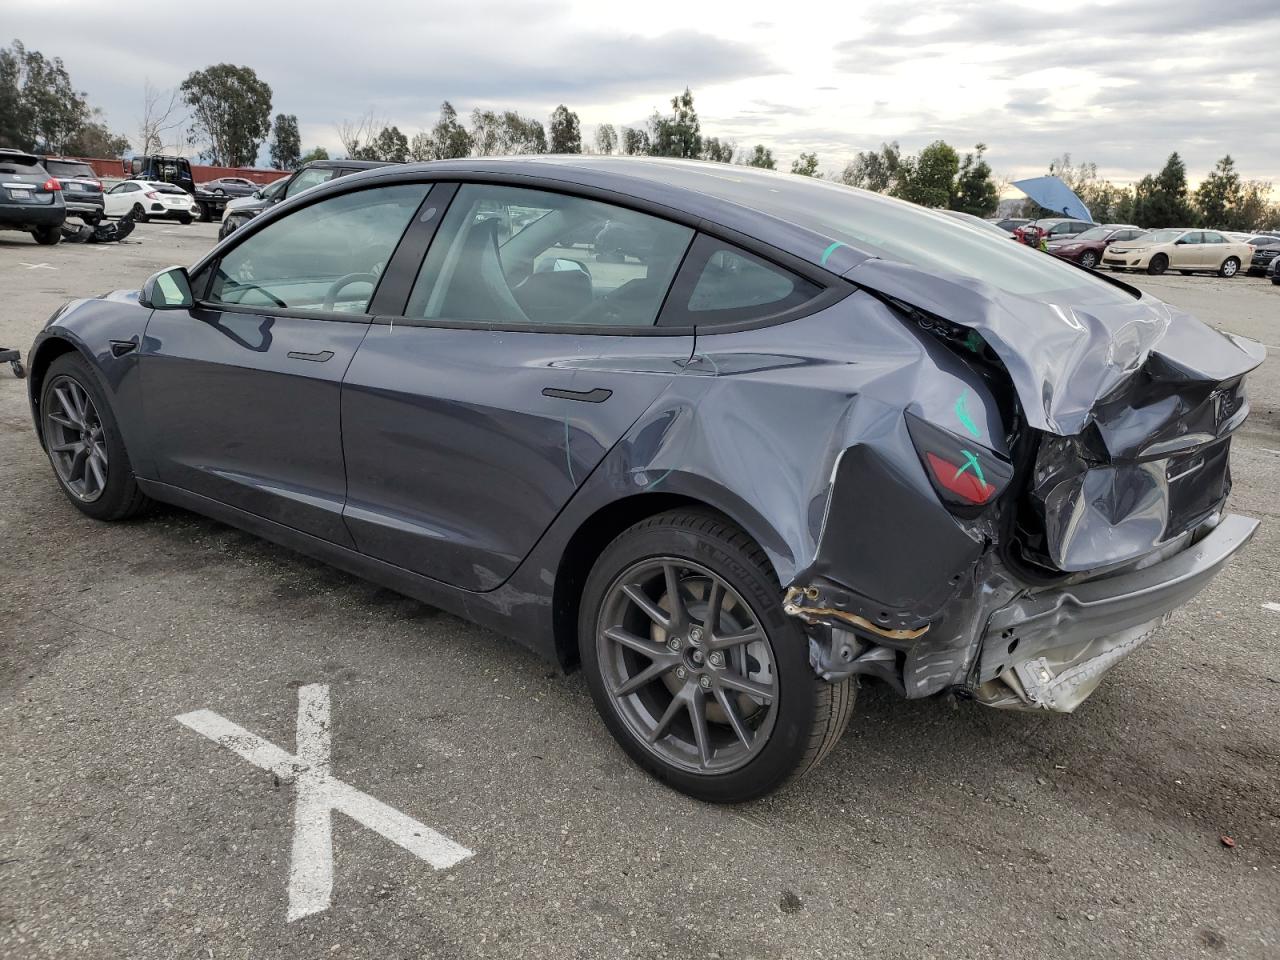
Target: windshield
(1094, 233)
(68, 168)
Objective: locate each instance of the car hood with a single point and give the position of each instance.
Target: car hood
(248, 204)
(1066, 361)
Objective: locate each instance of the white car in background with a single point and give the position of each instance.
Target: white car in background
(150, 199)
(1187, 251)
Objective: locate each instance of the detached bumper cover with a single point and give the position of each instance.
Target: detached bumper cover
(1048, 651)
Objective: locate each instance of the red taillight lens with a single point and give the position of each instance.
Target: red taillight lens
(99, 183)
(51, 184)
(152, 195)
(967, 476)
(967, 480)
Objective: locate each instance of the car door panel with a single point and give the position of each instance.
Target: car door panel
(462, 445)
(245, 409)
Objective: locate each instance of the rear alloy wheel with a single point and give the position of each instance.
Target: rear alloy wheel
(139, 215)
(84, 443)
(1158, 265)
(693, 666)
(1088, 259)
(1230, 267)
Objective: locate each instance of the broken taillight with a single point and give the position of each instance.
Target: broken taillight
(966, 475)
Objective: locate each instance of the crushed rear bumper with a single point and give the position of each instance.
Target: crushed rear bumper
(1049, 650)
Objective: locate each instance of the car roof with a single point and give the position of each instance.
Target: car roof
(19, 156)
(354, 164)
(754, 202)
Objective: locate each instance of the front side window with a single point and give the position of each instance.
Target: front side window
(308, 179)
(512, 256)
(1195, 236)
(327, 256)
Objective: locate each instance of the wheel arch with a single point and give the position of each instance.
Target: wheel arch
(600, 528)
(38, 364)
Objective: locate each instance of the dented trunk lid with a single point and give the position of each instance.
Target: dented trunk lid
(1133, 403)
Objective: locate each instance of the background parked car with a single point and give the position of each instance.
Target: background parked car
(230, 187)
(30, 199)
(1272, 271)
(1053, 228)
(988, 225)
(240, 212)
(149, 199)
(1265, 249)
(1010, 224)
(1086, 248)
(81, 188)
(1187, 251)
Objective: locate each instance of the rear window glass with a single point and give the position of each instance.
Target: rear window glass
(64, 168)
(23, 169)
(166, 188)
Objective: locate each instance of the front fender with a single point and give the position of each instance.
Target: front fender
(89, 327)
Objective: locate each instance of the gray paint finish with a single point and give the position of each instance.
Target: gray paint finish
(429, 459)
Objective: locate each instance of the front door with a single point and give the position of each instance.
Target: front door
(242, 393)
(527, 347)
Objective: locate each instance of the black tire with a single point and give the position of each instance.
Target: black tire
(93, 219)
(47, 236)
(809, 714)
(1186, 273)
(185, 221)
(120, 498)
(1088, 259)
(139, 215)
(1230, 267)
(1158, 265)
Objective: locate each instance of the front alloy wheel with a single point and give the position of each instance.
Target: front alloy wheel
(76, 440)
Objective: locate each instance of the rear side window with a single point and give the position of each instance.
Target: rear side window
(64, 168)
(327, 256)
(509, 257)
(722, 284)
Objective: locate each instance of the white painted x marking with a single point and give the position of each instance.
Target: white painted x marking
(319, 793)
(37, 266)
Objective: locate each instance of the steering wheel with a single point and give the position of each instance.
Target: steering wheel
(331, 295)
(276, 301)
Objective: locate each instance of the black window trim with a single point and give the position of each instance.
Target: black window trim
(833, 287)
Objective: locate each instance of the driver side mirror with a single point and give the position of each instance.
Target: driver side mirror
(257, 194)
(168, 290)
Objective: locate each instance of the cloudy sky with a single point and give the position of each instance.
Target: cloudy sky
(1119, 83)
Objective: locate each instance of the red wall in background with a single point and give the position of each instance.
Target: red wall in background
(115, 170)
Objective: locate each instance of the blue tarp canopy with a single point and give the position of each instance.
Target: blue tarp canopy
(1052, 194)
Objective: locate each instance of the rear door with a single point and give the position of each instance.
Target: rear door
(242, 393)
(519, 353)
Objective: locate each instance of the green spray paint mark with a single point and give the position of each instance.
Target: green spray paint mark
(973, 342)
(826, 254)
(971, 460)
(962, 412)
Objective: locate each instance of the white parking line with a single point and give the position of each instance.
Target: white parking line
(1273, 607)
(37, 266)
(318, 794)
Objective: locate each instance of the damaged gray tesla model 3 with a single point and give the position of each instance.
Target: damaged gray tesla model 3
(728, 440)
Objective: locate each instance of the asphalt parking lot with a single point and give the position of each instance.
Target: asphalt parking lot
(933, 829)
